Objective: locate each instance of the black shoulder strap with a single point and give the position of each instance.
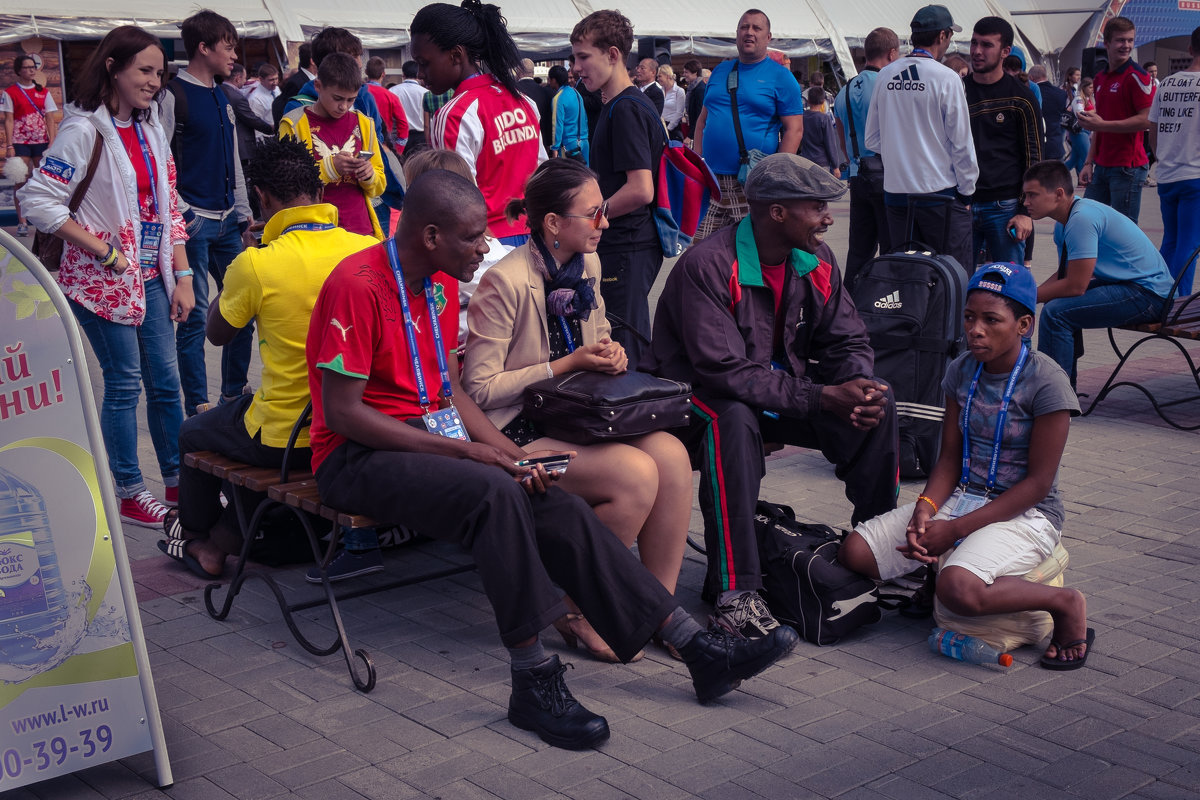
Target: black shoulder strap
(175, 87)
(731, 83)
(850, 117)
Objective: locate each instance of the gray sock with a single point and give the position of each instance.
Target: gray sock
(680, 630)
(527, 657)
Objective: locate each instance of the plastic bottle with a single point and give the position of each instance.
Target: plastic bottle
(966, 648)
(33, 603)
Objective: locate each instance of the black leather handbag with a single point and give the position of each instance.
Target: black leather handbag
(588, 407)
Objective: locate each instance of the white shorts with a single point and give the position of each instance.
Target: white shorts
(1012, 547)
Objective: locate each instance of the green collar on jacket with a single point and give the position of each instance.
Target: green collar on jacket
(750, 268)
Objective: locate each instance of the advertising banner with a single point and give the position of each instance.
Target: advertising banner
(75, 687)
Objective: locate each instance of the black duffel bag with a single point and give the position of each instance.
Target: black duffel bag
(586, 407)
(804, 584)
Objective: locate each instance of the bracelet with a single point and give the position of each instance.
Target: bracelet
(110, 257)
(927, 500)
(186, 273)
(549, 370)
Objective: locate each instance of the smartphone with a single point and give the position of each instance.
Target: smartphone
(1012, 231)
(555, 464)
(365, 155)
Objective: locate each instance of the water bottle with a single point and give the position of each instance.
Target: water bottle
(966, 648)
(33, 601)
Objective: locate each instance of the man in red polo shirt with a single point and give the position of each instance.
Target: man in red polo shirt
(1117, 163)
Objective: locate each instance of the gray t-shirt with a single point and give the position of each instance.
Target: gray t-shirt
(1042, 388)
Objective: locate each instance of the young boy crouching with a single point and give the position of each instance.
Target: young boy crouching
(994, 499)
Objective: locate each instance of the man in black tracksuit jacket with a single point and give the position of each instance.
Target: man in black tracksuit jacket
(756, 318)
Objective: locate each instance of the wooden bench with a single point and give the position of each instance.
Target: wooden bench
(1178, 324)
(297, 493)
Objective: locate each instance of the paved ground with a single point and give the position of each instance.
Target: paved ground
(249, 715)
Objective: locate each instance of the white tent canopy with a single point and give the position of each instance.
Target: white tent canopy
(705, 27)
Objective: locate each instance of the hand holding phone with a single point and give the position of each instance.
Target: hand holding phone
(554, 464)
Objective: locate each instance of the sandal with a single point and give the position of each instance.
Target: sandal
(1060, 665)
(171, 527)
(566, 629)
(177, 550)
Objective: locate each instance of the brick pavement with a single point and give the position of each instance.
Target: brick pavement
(250, 715)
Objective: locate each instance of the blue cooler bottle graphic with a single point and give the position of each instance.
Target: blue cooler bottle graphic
(33, 602)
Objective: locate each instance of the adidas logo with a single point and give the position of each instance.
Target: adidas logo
(908, 80)
(891, 301)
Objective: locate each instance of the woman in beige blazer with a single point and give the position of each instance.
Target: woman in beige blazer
(538, 313)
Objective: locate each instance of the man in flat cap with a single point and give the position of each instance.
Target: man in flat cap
(755, 317)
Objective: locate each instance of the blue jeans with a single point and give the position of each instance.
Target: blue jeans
(1180, 205)
(129, 356)
(1118, 187)
(989, 226)
(1080, 142)
(1103, 305)
(211, 245)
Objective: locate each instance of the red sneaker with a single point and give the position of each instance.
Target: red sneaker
(172, 496)
(143, 510)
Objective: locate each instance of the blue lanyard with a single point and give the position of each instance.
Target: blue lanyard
(308, 226)
(1001, 416)
(30, 99)
(410, 331)
(137, 127)
(921, 51)
(566, 332)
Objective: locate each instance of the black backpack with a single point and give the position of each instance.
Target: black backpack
(911, 301)
(803, 583)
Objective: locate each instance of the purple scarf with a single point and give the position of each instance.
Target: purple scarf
(568, 293)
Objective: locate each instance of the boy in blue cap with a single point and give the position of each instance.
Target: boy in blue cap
(992, 493)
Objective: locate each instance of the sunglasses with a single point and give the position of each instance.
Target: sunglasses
(596, 218)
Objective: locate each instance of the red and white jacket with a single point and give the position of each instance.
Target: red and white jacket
(110, 211)
(500, 137)
(28, 106)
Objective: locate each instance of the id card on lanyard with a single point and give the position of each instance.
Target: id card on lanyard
(152, 231)
(969, 501)
(443, 421)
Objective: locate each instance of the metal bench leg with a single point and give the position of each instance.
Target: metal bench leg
(239, 572)
(1112, 382)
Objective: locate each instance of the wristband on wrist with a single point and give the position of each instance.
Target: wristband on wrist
(184, 273)
(928, 500)
(110, 257)
(549, 370)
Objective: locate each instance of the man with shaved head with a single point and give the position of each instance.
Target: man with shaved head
(378, 373)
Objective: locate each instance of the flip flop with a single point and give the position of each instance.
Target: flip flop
(177, 550)
(171, 527)
(1061, 666)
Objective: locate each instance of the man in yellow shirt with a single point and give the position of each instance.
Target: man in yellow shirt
(277, 286)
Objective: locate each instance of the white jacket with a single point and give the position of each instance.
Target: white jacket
(920, 124)
(109, 211)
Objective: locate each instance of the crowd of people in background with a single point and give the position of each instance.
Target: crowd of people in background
(372, 232)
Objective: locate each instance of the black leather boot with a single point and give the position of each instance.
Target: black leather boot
(542, 703)
(719, 660)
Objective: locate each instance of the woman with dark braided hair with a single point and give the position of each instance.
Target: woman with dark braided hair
(488, 122)
(275, 285)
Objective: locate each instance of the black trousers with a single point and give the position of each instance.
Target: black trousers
(626, 278)
(725, 440)
(929, 228)
(525, 547)
(868, 227)
(222, 429)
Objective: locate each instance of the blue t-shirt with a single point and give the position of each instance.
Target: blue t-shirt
(766, 92)
(858, 94)
(1123, 253)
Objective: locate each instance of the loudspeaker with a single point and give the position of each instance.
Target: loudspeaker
(1095, 61)
(658, 49)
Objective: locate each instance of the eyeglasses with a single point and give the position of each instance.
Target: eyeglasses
(596, 218)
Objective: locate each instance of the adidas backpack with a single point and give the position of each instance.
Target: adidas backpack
(911, 302)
